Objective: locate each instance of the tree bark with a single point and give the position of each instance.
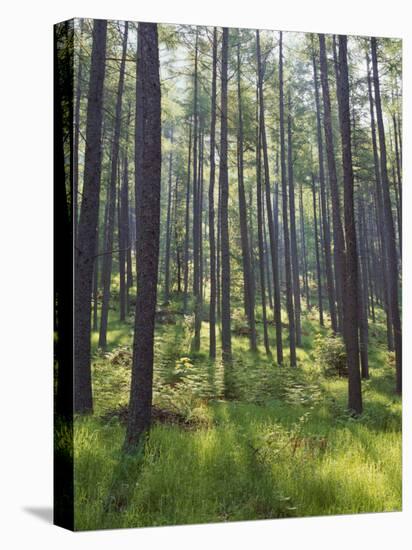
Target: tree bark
(318, 270)
(212, 244)
(125, 268)
(380, 214)
(187, 227)
(363, 293)
(108, 258)
(249, 299)
(304, 250)
(325, 225)
(275, 267)
(350, 288)
(168, 224)
(147, 189)
(76, 135)
(288, 267)
(196, 209)
(260, 239)
(293, 240)
(86, 235)
(123, 239)
(339, 243)
(388, 225)
(224, 222)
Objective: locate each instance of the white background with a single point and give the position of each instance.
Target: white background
(26, 272)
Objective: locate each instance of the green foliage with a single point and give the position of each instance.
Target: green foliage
(283, 446)
(331, 355)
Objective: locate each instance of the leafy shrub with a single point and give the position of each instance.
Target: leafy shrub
(331, 355)
(182, 366)
(298, 388)
(239, 323)
(121, 356)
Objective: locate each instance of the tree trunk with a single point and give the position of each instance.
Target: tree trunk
(350, 288)
(147, 189)
(260, 238)
(325, 225)
(96, 283)
(318, 270)
(288, 267)
(123, 239)
(398, 187)
(363, 293)
(108, 257)
(178, 249)
(275, 267)
(76, 135)
(86, 235)
(200, 210)
(380, 215)
(196, 209)
(267, 259)
(304, 251)
(168, 224)
(388, 225)
(249, 299)
(125, 262)
(293, 241)
(212, 244)
(187, 226)
(339, 243)
(224, 222)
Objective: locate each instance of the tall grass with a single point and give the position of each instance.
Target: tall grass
(284, 446)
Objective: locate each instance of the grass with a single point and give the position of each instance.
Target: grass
(282, 446)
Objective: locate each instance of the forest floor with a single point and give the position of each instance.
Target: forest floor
(256, 442)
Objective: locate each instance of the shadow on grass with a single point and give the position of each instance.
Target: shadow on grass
(122, 486)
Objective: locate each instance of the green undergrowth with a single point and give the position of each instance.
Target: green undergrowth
(256, 440)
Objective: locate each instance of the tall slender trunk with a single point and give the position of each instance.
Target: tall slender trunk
(293, 240)
(95, 326)
(76, 135)
(363, 293)
(325, 225)
(168, 224)
(187, 226)
(388, 225)
(318, 270)
(200, 210)
(212, 244)
(125, 262)
(218, 254)
(196, 210)
(267, 259)
(108, 257)
(86, 235)
(338, 238)
(260, 238)
(123, 215)
(275, 267)
(288, 267)
(380, 213)
(398, 182)
(350, 288)
(147, 189)
(224, 222)
(370, 276)
(249, 299)
(177, 242)
(304, 250)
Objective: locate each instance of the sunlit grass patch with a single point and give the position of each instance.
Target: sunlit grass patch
(283, 445)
